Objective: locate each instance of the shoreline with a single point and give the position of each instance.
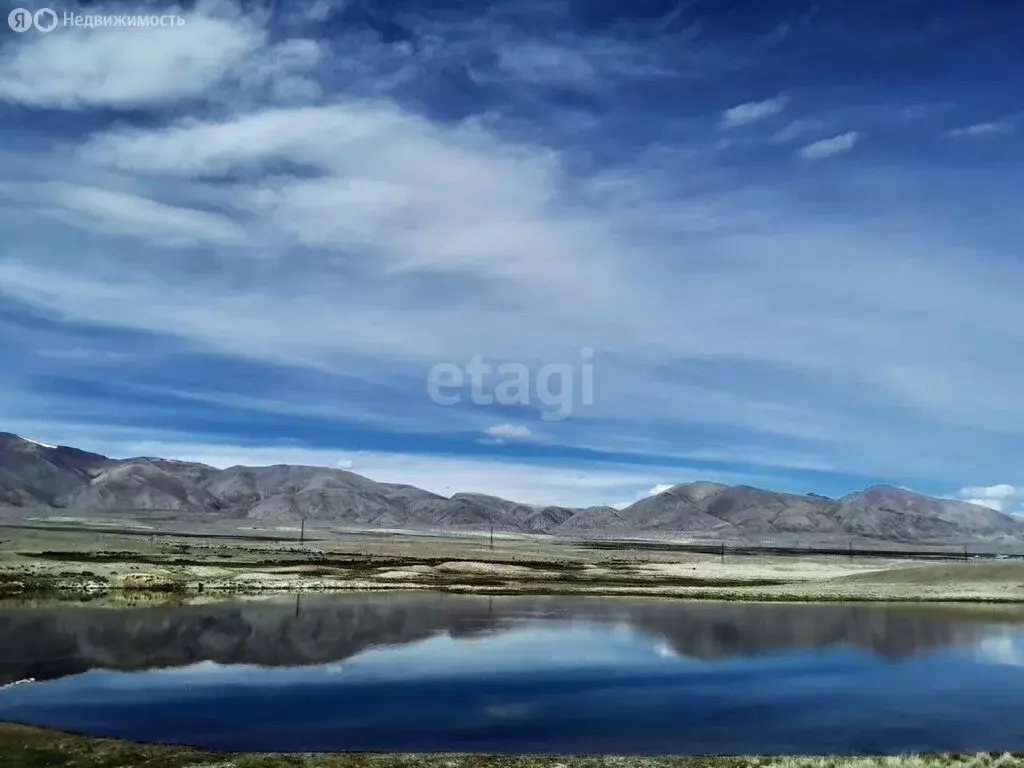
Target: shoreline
(63, 594)
(23, 746)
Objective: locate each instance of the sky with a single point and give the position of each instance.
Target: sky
(765, 243)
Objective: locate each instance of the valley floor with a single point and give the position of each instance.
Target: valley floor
(104, 563)
(22, 747)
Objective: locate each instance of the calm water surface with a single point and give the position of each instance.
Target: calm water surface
(564, 675)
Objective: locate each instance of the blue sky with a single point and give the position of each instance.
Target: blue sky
(790, 233)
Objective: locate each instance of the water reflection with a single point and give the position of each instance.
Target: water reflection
(420, 672)
(306, 630)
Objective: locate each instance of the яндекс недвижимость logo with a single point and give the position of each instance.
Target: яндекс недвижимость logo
(46, 20)
(22, 19)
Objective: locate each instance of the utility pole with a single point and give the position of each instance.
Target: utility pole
(965, 553)
(723, 552)
(302, 531)
(492, 537)
(851, 550)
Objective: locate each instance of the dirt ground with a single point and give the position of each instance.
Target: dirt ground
(52, 561)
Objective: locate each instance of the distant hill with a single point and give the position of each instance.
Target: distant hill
(880, 512)
(37, 478)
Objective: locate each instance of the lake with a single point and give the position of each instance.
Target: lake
(419, 672)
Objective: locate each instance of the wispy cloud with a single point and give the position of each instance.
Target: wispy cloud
(116, 213)
(275, 226)
(836, 145)
(998, 128)
(509, 431)
(105, 67)
(797, 129)
(578, 61)
(752, 112)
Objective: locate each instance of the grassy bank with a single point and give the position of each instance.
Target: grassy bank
(22, 747)
(36, 562)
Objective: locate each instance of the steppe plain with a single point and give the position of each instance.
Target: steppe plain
(43, 560)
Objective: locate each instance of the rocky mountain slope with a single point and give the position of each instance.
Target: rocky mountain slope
(37, 478)
(881, 512)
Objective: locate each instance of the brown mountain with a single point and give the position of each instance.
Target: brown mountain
(37, 479)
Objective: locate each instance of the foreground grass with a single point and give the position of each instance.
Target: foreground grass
(24, 747)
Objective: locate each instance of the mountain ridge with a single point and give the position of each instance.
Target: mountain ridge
(37, 477)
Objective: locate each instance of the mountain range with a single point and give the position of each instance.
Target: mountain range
(36, 478)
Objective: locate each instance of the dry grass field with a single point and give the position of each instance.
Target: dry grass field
(75, 562)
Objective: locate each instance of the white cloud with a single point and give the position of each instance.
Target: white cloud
(797, 129)
(999, 492)
(836, 145)
(398, 201)
(391, 240)
(653, 491)
(752, 112)
(283, 71)
(509, 431)
(86, 355)
(581, 62)
(315, 135)
(752, 455)
(1001, 497)
(997, 128)
(539, 62)
(392, 187)
(116, 213)
(110, 67)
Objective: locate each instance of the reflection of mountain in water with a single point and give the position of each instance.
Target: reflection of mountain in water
(52, 643)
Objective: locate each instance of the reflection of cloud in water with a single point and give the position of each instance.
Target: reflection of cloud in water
(571, 685)
(51, 643)
(508, 711)
(1004, 646)
(533, 648)
(514, 654)
(664, 650)
(530, 648)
